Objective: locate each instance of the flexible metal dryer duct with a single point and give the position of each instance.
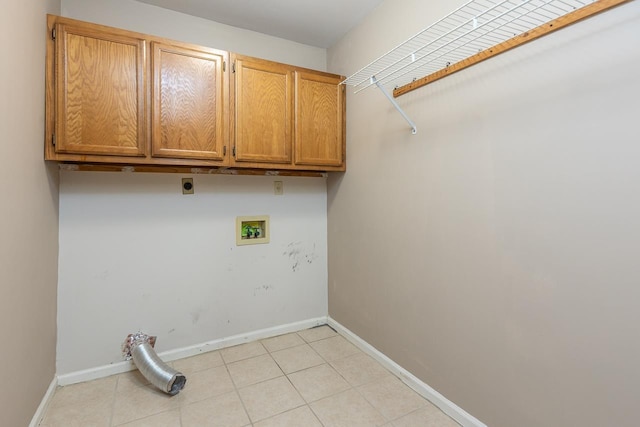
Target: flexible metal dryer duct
(139, 347)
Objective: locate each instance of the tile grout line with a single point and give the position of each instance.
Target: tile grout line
(352, 387)
(113, 401)
(299, 394)
(316, 415)
(236, 390)
(326, 362)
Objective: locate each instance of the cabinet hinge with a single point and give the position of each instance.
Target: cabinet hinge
(233, 67)
(234, 151)
(53, 139)
(224, 150)
(53, 33)
(224, 66)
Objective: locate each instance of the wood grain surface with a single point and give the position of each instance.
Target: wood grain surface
(188, 103)
(100, 92)
(264, 104)
(319, 117)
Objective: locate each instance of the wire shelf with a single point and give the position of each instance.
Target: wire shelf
(472, 28)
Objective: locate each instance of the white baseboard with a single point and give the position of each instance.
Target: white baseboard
(95, 373)
(42, 408)
(179, 353)
(447, 406)
(242, 338)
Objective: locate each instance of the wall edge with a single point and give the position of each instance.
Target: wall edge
(44, 404)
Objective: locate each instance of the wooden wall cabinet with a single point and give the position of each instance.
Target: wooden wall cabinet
(189, 103)
(100, 91)
(116, 98)
(263, 113)
(286, 116)
(319, 120)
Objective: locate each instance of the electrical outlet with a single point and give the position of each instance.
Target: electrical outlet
(187, 185)
(278, 188)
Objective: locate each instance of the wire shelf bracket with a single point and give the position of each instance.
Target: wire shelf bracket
(414, 129)
(474, 32)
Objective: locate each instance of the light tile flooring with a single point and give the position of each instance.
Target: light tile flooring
(312, 378)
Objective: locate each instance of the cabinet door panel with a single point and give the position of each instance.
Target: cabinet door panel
(188, 103)
(263, 107)
(100, 92)
(319, 132)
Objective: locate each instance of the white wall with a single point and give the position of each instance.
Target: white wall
(137, 254)
(28, 216)
(495, 253)
(148, 19)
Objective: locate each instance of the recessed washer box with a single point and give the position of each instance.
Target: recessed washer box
(252, 230)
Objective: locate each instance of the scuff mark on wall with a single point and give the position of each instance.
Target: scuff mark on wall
(310, 257)
(293, 252)
(263, 288)
(297, 255)
(292, 249)
(195, 315)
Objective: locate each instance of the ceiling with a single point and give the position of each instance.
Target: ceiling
(318, 23)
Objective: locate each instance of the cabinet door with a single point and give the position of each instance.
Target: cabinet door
(188, 103)
(319, 132)
(263, 111)
(100, 92)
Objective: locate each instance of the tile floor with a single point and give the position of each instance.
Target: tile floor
(312, 378)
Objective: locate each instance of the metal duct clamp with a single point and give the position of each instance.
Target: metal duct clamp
(139, 347)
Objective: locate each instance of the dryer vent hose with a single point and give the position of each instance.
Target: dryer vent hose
(139, 347)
